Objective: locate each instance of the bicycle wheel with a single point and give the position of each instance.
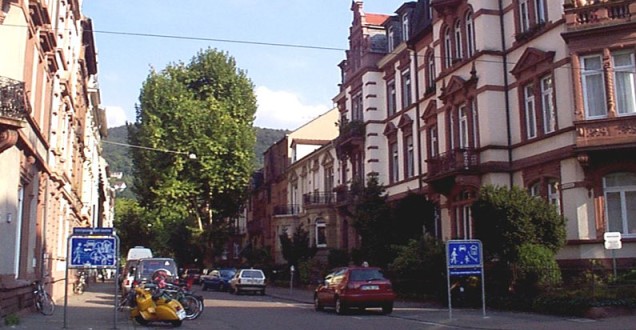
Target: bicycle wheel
(191, 306)
(47, 305)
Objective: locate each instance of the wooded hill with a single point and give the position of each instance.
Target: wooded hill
(119, 159)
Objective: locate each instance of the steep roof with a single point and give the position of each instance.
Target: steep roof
(375, 19)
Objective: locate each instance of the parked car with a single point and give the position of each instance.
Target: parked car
(248, 280)
(217, 279)
(144, 268)
(361, 287)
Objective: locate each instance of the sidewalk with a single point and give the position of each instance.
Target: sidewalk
(94, 310)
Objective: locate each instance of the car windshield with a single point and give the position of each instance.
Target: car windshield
(149, 266)
(227, 273)
(252, 274)
(366, 275)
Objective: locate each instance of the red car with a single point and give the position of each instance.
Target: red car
(359, 287)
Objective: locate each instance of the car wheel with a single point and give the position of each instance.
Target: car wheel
(387, 308)
(204, 287)
(317, 306)
(341, 309)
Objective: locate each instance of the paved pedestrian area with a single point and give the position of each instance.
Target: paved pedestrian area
(94, 310)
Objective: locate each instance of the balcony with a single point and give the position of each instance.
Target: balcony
(600, 14)
(289, 209)
(319, 199)
(606, 133)
(457, 161)
(13, 106)
(350, 137)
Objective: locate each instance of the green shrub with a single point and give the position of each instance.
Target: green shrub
(11, 319)
(536, 269)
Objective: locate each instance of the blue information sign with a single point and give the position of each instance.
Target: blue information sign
(463, 254)
(92, 252)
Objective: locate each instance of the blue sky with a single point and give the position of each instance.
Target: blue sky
(293, 85)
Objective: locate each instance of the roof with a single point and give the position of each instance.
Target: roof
(310, 142)
(376, 19)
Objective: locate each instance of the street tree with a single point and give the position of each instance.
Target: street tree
(194, 127)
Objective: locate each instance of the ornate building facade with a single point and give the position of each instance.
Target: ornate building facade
(51, 124)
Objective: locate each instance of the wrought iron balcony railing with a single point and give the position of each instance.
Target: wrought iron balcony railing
(454, 161)
(12, 100)
(319, 198)
(289, 209)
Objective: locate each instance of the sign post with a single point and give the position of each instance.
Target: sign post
(464, 258)
(93, 248)
(613, 242)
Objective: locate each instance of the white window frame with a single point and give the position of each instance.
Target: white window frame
(431, 71)
(395, 165)
(524, 15)
(459, 52)
(624, 208)
(448, 44)
(391, 98)
(406, 89)
(540, 11)
(409, 157)
(463, 127)
(391, 37)
(588, 73)
(321, 226)
(470, 35)
(434, 143)
(529, 107)
(547, 104)
(628, 107)
(356, 107)
(405, 27)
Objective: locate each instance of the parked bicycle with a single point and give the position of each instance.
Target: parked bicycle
(192, 304)
(42, 299)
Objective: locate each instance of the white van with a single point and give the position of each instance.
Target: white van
(128, 272)
(138, 252)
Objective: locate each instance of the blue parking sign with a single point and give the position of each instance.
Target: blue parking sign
(463, 253)
(92, 252)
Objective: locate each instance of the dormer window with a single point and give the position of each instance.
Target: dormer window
(405, 27)
(391, 38)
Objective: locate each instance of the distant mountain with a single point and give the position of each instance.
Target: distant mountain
(119, 159)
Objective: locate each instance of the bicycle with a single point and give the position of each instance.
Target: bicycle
(42, 299)
(192, 304)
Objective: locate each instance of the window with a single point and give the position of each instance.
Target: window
(531, 14)
(470, 35)
(448, 48)
(463, 218)
(593, 86)
(356, 113)
(430, 78)
(393, 162)
(458, 41)
(463, 127)
(329, 176)
(624, 88)
(548, 189)
(529, 111)
(409, 157)
(620, 202)
(391, 37)
(321, 234)
(406, 89)
(433, 142)
(391, 98)
(405, 27)
(547, 105)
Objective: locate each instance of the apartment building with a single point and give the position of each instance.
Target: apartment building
(51, 124)
(445, 96)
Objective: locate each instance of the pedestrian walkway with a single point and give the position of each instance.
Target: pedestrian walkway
(94, 310)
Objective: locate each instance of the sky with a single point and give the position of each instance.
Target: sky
(290, 49)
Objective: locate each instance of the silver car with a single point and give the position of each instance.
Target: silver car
(248, 280)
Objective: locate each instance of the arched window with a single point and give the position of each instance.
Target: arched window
(470, 35)
(448, 49)
(620, 202)
(459, 54)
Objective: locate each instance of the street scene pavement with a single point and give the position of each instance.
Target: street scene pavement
(94, 310)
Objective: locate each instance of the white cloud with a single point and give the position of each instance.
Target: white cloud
(116, 116)
(284, 110)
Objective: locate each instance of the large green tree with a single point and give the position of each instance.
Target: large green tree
(195, 126)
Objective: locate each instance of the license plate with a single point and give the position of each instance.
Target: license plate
(181, 314)
(370, 287)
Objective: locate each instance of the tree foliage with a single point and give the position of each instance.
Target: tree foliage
(131, 224)
(204, 108)
(297, 248)
(507, 218)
